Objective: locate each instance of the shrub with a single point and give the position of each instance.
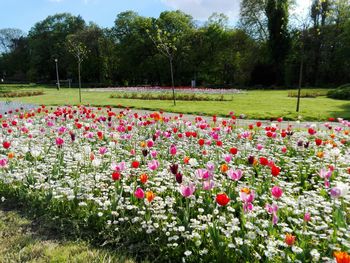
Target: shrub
(341, 93)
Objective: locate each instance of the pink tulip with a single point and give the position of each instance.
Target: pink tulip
(235, 175)
(326, 174)
(153, 165)
(118, 167)
(227, 158)
(139, 193)
(59, 141)
(210, 166)
(259, 147)
(247, 198)
(3, 163)
(154, 154)
(276, 192)
(272, 209)
(187, 190)
(173, 150)
(208, 185)
(103, 150)
(307, 217)
(150, 143)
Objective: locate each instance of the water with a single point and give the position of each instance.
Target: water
(6, 106)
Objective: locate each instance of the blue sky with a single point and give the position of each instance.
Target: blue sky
(23, 14)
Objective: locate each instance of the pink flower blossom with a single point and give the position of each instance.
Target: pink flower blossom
(3, 163)
(153, 165)
(187, 190)
(276, 192)
(227, 158)
(139, 193)
(103, 150)
(235, 175)
(208, 185)
(307, 217)
(272, 209)
(172, 150)
(154, 154)
(59, 141)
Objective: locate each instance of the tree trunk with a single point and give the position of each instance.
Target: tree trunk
(300, 81)
(79, 82)
(172, 79)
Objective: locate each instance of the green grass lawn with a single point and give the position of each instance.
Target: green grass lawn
(25, 240)
(256, 104)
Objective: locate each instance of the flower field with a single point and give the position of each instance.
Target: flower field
(171, 189)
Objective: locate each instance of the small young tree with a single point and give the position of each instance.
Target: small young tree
(80, 51)
(166, 45)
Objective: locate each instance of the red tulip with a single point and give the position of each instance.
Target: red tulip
(263, 161)
(6, 144)
(233, 150)
(275, 170)
(116, 176)
(318, 141)
(135, 164)
(201, 142)
(222, 199)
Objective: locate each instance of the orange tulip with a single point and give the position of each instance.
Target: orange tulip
(342, 257)
(143, 178)
(320, 154)
(143, 144)
(224, 168)
(10, 155)
(150, 196)
(289, 239)
(186, 159)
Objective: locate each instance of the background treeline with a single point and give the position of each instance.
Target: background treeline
(270, 46)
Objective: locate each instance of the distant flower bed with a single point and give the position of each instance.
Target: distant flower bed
(156, 89)
(17, 94)
(9, 107)
(173, 190)
(168, 96)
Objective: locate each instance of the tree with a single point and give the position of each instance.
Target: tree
(253, 19)
(8, 38)
(278, 41)
(80, 51)
(47, 41)
(165, 43)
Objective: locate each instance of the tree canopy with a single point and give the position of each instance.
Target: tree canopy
(265, 48)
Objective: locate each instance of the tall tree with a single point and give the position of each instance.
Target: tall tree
(47, 41)
(279, 41)
(8, 38)
(253, 19)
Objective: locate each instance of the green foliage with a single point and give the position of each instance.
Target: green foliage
(278, 42)
(265, 49)
(341, 93)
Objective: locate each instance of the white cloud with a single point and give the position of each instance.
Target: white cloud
(202, 9)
